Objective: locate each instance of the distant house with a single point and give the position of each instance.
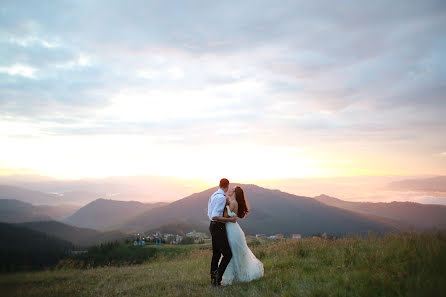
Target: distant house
(191, 233)
(296, 236)
(272, 237)
(280, 236)
(260, 235)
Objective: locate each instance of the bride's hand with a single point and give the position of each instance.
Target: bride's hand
(233, 219)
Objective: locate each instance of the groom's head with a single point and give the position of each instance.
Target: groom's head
(224, 184)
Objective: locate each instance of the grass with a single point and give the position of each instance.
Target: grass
(395, 265)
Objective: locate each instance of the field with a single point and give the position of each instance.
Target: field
(409, 264)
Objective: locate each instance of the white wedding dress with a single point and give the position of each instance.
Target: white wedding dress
(244, 266)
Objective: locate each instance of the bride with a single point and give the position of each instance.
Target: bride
(244, 266)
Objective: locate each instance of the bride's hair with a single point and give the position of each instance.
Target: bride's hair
(243, 207)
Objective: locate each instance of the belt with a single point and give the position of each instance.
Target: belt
(217, 223)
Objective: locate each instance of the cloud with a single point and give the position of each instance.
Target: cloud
(17, 69)
(227, 71)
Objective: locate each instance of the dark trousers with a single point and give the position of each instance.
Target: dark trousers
(220, 246)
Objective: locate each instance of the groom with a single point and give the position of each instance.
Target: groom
(220, 244)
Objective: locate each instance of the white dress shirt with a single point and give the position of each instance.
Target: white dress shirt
(216, 204)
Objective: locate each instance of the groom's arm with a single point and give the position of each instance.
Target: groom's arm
(219, 210)
(225, 220)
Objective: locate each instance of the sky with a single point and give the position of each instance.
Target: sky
(205, 89)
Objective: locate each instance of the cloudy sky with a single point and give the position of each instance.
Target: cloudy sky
(243, 89)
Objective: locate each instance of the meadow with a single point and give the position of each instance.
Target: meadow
(409, 264)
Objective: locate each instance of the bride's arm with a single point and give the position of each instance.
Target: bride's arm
(225, 213)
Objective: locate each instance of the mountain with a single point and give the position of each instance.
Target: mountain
(104, 212)
(416, 215)
(272, 211)
(431, 200)
(33, 197)
(431, 185)
(80, 197)
(145, 188)
(15, 211)
(82, 237)
(22, 248)
(58, 212)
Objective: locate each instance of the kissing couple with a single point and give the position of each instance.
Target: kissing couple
(237, 262)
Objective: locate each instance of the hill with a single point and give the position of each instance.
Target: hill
(81, 237)
(33, 197)
(22, 248)
(272, 211)
(104, 212)
(15, 211)
(411, 264)
(435, 184)
(416, 215)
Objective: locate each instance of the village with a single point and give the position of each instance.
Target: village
(194, 237)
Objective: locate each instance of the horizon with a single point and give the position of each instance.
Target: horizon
(203, 91)
(151, 188)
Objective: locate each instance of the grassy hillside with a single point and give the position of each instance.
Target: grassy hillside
(395, 265)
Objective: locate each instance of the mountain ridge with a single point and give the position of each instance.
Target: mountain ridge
(29, 196)
(16, 211)
(272, 211)
(415, 215)
(101, 212)
(81, 237)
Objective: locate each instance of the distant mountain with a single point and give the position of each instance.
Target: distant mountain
(15, 211)
(80, 197)
(272, 211)
(416, 215)
(81, 237)
(33, 197)
(104, 212)
(58, 212)
(433, 184)
(145, 188)
(431, 200)
(22, 248)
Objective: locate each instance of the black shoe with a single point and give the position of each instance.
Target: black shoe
(219, 278)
